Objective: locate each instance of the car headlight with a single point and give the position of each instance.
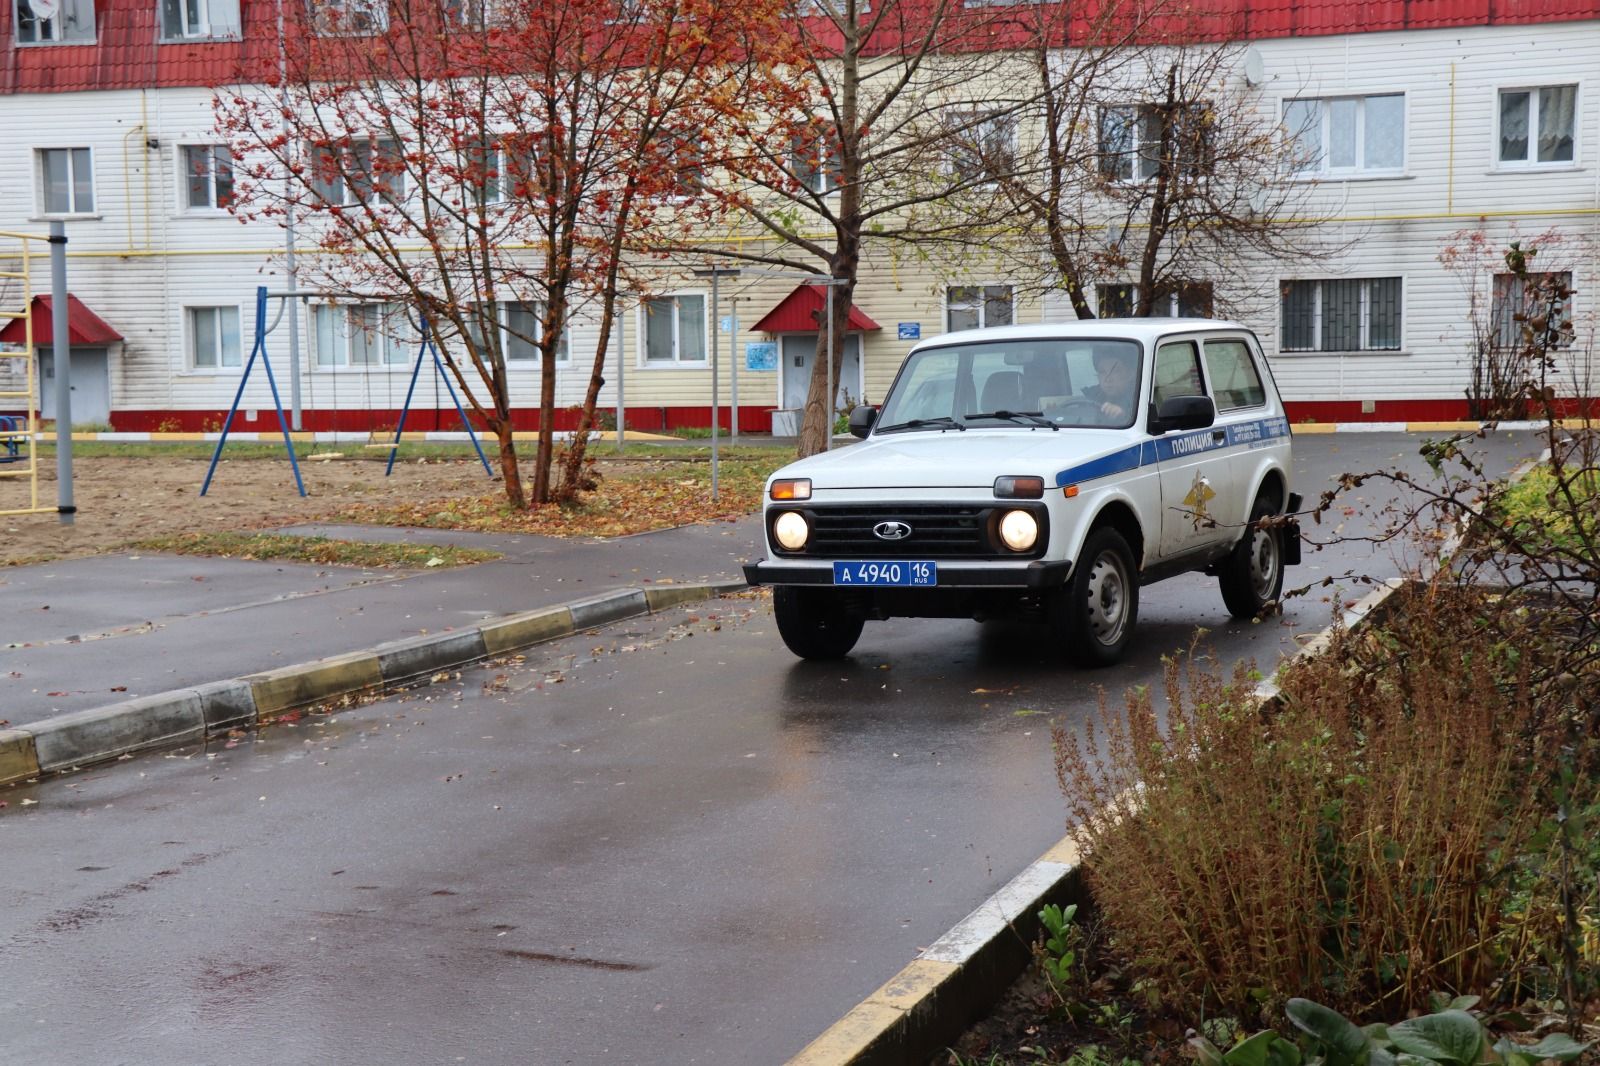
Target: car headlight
(791, 530)
(1019, 530)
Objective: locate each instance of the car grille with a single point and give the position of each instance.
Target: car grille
(937, 532)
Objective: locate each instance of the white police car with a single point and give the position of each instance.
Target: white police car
(1041, 472)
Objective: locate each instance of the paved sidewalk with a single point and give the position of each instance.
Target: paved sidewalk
(81, 633)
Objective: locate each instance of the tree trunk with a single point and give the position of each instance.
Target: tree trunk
(545, 456)
(508, 463)
(577, 449)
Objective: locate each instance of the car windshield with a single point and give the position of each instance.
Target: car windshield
(1025, 384)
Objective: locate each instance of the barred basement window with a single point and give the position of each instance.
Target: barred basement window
(1511, 300)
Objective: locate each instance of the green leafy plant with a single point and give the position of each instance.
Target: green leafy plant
(1450, 1037)
(1059, 956)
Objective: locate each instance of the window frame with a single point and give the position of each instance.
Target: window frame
(187, 177)
(987, 128)
(42, 192)
(57, 22)
(1364, 312)
(211, 29)
(378, 10)
(1530, 161)
(1502, 319)
(677, 361)
(536, 308)
(980, 303)
(1249, 360)
(358, 186)
(817, 132)
(191, 347)
(1174, 298)
(346, 337)
(1321, 170)
(1136, 155)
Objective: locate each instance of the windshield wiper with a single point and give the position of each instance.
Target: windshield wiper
(1026, 418)
(943, 422)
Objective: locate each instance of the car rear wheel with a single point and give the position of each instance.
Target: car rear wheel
(1252, 577)
(1095, 612)
(813, 622)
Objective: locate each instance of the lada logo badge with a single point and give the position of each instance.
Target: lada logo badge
(891, 531)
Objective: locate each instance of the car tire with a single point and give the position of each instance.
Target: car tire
(1094, 614)
(813, 622)
(1252, 576)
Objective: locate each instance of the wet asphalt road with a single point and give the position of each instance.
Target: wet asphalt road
(668, 842)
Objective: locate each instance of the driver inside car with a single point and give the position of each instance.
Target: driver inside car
(1116, 390)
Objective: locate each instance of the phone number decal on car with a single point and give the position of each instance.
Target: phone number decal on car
(882, 573)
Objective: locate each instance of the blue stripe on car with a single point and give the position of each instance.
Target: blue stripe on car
(1151, 452)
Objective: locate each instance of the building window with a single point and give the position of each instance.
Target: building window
(1187, 299)
(522, 324)
(680, 159)
(213, 337)
(349, 18)
(981, 144)
(362, 335)
(1347, 315)
(497, 171)
(187, 19)
(1348, 134)
(1513, 306)
(977, 306)
(675, 329)
(814, 158)
(475, 14)
(1130, 141)
(1538, 125)
(54, 21)
(207, 176)
(366, 171)
(66, 181)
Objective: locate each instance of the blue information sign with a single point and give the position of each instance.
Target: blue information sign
(911, 331)
(761, 355)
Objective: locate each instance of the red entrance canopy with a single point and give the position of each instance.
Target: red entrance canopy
(804, 311)
(85, 328)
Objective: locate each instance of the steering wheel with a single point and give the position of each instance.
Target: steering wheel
(1078, 409)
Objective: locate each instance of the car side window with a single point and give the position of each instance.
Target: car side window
(1235, 383)
(1177, 372)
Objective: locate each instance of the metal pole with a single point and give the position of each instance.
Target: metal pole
(715, 274)
(622, 362)
(733, 369)
(827, 413)
(294, 325)
(61, 355)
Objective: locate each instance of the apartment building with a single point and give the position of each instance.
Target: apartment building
(1432, 127)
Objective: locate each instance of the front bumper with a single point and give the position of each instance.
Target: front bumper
(1034, 575)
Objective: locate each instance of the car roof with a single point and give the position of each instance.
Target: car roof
(1139, 329)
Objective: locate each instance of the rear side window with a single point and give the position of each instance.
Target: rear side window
(1177, 372)
(1234, 380)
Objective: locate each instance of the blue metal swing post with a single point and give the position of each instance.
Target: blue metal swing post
(259, 348)
(426, 348)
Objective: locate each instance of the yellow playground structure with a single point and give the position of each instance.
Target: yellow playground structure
(19, 396)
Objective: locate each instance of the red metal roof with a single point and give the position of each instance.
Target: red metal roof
(87, 329)
(804, 311)
(128, 54)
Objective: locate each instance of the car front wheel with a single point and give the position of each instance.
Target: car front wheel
(1252, 577)
(813, 622)
(1094, 614)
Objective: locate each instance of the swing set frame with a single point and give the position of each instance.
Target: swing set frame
(425, 348)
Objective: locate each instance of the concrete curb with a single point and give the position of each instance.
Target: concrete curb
(958, 978)
(182, 716)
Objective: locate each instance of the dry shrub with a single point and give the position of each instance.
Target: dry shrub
(1358, 842)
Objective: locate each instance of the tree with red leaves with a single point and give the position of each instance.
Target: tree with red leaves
(485, 165)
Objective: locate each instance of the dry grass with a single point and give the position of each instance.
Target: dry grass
(1361, 844)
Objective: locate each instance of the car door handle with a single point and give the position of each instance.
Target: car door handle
(1219, 435)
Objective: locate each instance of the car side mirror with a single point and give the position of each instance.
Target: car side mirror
(862, 419)
(1184, 412)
